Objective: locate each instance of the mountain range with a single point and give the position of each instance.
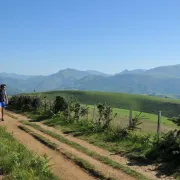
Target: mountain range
(156, 81)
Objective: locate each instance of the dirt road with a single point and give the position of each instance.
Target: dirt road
(67, 169)
(63, 168)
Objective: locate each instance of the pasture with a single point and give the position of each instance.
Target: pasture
(143, 103)
(149, 106)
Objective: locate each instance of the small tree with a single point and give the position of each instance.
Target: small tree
(105, 115)
(84, 111)
(101, 108)
(60, 104)
(108, 116)
(77, 108)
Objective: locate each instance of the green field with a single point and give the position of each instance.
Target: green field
(142, 103)
(149, 122)
(148, 105)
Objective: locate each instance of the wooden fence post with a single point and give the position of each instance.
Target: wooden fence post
(45, 103)
(159, 125)
(94, 111)
(130, 118)
(79, 113)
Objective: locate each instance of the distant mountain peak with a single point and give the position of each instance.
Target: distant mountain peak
(94, 72)
(135, 71)
(124, 71)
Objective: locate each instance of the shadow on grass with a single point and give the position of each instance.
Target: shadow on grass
(162, 169)
(167, 169)
(39, 118)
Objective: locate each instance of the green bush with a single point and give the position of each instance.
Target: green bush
(167, 149)
(60, 105)
(24, 103)
(105, 114)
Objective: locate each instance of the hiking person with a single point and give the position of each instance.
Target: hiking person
(3, 100)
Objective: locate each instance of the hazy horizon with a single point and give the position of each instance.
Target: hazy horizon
(85, 70)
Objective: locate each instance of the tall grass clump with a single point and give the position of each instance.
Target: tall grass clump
(16, 162)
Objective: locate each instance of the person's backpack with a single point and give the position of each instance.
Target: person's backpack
(2, 95)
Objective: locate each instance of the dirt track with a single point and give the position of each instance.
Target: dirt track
(66, 169)
(61, 167)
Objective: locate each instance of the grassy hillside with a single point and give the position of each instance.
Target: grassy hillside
(148, 104)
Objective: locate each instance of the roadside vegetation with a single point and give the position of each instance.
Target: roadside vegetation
(72, 117)
(86, 151)
(16, 162)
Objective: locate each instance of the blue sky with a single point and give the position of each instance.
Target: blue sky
(43, 36)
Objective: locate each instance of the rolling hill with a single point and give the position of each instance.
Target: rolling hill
(157, 81)
(142, 103)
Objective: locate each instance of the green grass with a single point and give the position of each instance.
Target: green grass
(148, 105)
(143, 103)
(93, 154)
(135, 146)
(149, 122)
(79, 161)
(16, 162)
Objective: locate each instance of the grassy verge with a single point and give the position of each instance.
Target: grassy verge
(80, 162)
(10, 115)
(16, 162)
(140, 148)
(93, 154)
(135, 144)
(39, 138)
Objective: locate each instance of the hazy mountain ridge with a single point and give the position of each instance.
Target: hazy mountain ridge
(160, 80)
(16, 76)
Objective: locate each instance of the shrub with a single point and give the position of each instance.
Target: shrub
(60, 104)
(176, 120)
(167, 149)
(106, 115)
(24, 103)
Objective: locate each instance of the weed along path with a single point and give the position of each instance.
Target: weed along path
(98, 162)
(60, 166)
